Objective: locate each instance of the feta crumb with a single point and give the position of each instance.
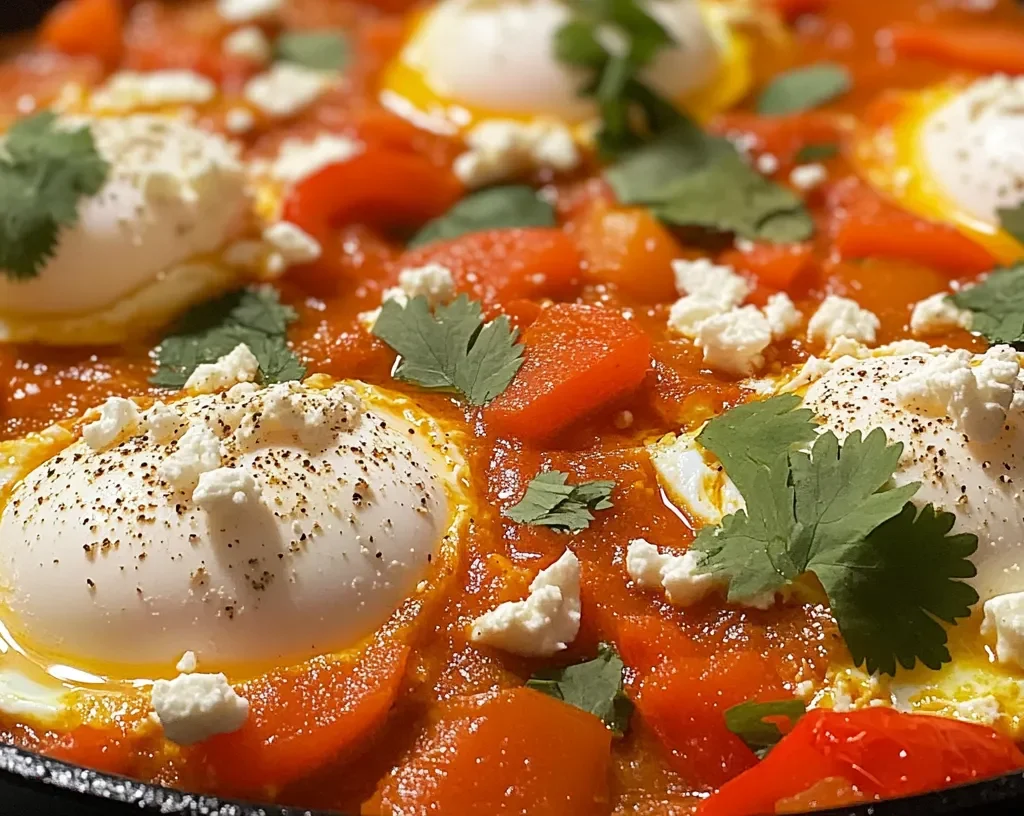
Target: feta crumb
(162, 423)
(1004, 621)
(298, 159)
(285, 89)
(545, 623)
(938, 315)
(239, 366)
(223, 486)
(246, 11)
(187, 664)
(733, 341)
(432, 281)
(782, 315)
(804, 690)
(812, 370)
(196, 453)
(975, 391)
(808, 176)
(118, 418)
(841, 317)
(194, 707)
(676, 574)
(710, 280)
(291, 246)
(767, 164)
(248, 43)
(286, 408)
(128, 90)
(500, 149)
(239, 120)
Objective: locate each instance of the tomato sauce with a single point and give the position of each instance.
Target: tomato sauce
(625, 266)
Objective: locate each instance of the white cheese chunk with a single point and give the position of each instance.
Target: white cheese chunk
(432, 281)
(194, 707)
(291, 246)
(225, 486)
(812, 370)
(239, 120)
(500, 149)
(298, 159)
(162, 423)
(286, 89)
(118, 417)
(249, 43)
(938, 315)
(782, 315)
(676, 574)
(247, 11)
(187, 664)
(545, 623)
(808, 176)
(734, 340)
(841, 317)
(1004, 622)
(196, 453)
(239, 366)
(710, 280)
(129, 90)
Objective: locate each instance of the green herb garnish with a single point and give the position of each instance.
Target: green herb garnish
(997, 306)
(213, 329)
(494, 208)
(747, 721)
(1011, 219)
(550, 502)
(45, 172)
(817, 152)
(891, 573)
(803, 89)
(594, 686)
(452, 349)
(324, 50)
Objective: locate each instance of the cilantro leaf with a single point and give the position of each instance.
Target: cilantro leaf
(550, 502)
(45, 172)
(323, 50)
(816, 152)
(514, 205)
(451, 350)
(594, 686)
(212, 329)
(747, 721)
(997, 305)
(803, 89)
(888, 589)
(691, 179)
(1011, 219)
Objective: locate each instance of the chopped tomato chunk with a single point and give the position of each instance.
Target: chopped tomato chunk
(502, 265)
(577, 358)
(866, 225)
(882, 752)
(630, 248)
(776, 266)
(86, 27)
(507, 752)
(301, 719)
(784, 136)
(105, 750)
(979, 48)
(791, 9)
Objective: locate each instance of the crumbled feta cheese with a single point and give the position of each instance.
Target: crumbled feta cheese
(239, 120)
(246, 11)
(841, 317)
(248, 43)
(187, 664)
(285, 89)
(975, 391)
(808, 176)
(782, 315)
(432, 281)
(129, 90)
(196, 453)
(733, 341)
(938, 315)
(225, 486)
(239, 366)
(545, 623)
(291, 246)
(118, 418)
(298, 159)
(703, 278)
(676, 574)
(287, 408)
(162, 423)
(500, 149)
(687, 314)
(813, 369)
(1004, 621)
(194, 707)
(767, 164)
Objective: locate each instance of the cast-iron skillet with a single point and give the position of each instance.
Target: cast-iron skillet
(31, 785)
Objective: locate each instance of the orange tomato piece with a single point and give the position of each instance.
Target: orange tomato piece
(86, 27)
(791, 9)
(502, 265)
(776, 266)
(987, 49)
(105, 750)
(882, 752)
(301, 719)
(865, 225)
(784, 136)
(508, 752)
(577, 358)
(629, 248)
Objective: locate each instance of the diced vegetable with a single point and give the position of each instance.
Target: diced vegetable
(987, 49)
(86, 27)
(515, 751)
(882, 752)
(577, 359)
(776, 266)
(784, 136)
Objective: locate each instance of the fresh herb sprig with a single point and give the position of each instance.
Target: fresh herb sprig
(749, 722)
(318, 49)
(550, 502)
(513, 205)
(996, 305)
